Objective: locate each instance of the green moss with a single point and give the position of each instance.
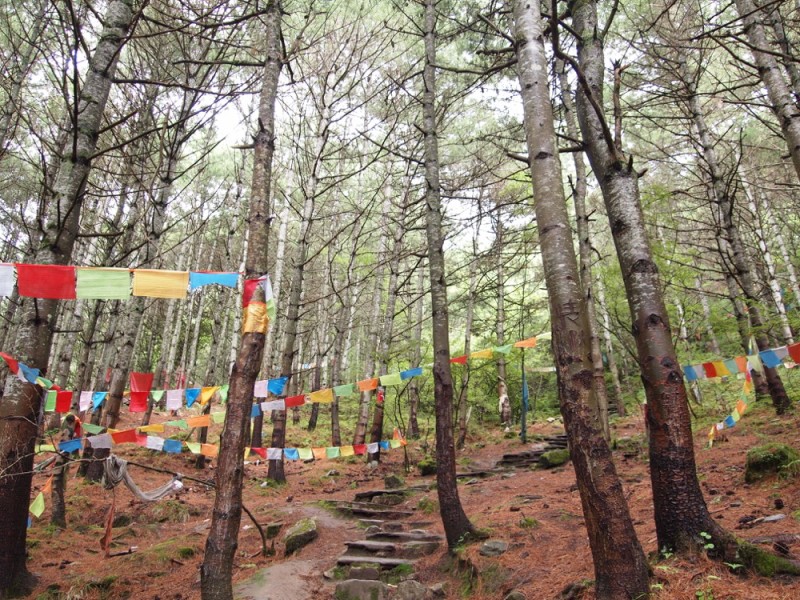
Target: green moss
(554, 458)
(765, 563)
(427, 505)
(770, 459)
(427, 466)
(186, 552)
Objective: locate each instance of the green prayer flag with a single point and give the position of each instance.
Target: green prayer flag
(345, 390)
(223, 393)
(105, 284)
(50, 401)
(157, 395)
(395, 444)
(180, 423)
(44, 382)
(45, 448)
(391, 379)
(332, 452)
(193, 447)
(218, 417)
(305, 453)
(37, 506)
(91, 428)
(503, 349)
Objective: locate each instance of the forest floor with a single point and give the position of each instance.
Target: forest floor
(548, 547)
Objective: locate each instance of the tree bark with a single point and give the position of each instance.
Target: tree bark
(413, 385)
(464, 393)
(620, 568)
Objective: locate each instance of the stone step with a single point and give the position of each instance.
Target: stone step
(415, 535)
(372, 546)
(410, 549)
(370, 510)
(383, 562)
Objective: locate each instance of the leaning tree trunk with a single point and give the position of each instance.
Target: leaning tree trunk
(681, 514)
(457, 526)
(621, 569)
(21, 404)
(216, 572)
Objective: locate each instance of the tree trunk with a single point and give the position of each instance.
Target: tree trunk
(216, 571)
(503, 402)
(457, 526)
(619, 400)
(620, 568)
(464, 393)
(21, 404)
(413, 385)
(680, 509)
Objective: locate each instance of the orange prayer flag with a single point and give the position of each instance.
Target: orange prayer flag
(319, 453)
(201, 421)
(529, 343)
(48, 487)
(365, 385)
(741, 406)
(209, 450)
(741, 362)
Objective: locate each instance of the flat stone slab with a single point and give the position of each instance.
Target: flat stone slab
(372, 546)
(384, 562)
(405, 536)
(362, 589)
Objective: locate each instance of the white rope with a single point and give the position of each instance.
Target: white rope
(115, 470)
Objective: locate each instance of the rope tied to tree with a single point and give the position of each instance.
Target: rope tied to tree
(115, 471)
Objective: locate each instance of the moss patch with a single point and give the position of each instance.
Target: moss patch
(554, 458)
(770, 459)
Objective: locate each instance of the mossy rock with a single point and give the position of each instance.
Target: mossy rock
(300, 534)
(393, 482)
(770, 459)
(554, 458)
(427, 466)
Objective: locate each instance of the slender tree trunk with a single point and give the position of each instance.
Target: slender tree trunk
(216, 572)
(457, 526)
(464, 393)
(504, 404)
(21, 404)
(712, 336)
(610, 354)
(413, 386)
(681, 514)
(620, 568)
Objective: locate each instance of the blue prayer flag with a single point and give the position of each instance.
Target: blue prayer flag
(70, 446)
(30, 374)
(385, 445)
(255, 411)
(275, 386)
(197, 280)
(768, 357)
(411, 373)
(192, 394)
(291, 454)
(97, 399)
(688, 371)
(173, 446)
(729, 422)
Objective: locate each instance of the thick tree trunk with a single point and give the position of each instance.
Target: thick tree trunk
(21, 404)
(680, 509)
(457, 526)
(216, 571)
(620, 568)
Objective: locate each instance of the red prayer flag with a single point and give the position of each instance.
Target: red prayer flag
(46, 281)
(124, 437)
(139, 401)
(359, 448)
(141, 382)
(295, 401)
(262, 452)
(710, 369)
(794, 352)
(459, 360)
(63, 401)
(13, 365)
(141, 439)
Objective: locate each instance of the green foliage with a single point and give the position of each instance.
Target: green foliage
(427, 466)
(528, 523)
(427, 505)
(769, 459)
(554, 458)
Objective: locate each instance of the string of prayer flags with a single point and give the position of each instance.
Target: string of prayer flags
(160, 284)
(198, 279)
(324, 396)
(56, 282)
(391, 379)
(103, 283)
(738, 411)
(6, 279)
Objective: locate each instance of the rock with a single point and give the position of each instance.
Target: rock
(772, 518)
(516, 595)
(389, 499)
(472, 481)
(411, 590)
(300, 534)
(273, 529)
(332, 473)
(735, 504)
(393, 482)
(329, 574)
(365, 572)
(770, 459)
(554, 458)
(493, 548)
(779, 504)
(427, 466)
(437, 590)
(393, 526)
(359, 589)
(373, 529)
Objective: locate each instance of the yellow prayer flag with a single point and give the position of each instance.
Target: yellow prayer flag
(720, 368)
(325, 396)
(155, 428)
(482, 354)
(346, 451)
(207, 393)
(160, 284)
(255, 318)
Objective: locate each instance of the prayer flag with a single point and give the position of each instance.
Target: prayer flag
(503, 349)
(157, 395)
(384, 444)
(85, 401)
(305, 453)
(218, 417)
(48, 487)
(37, 506)
(529, 343)
(275, 386)
(395, 444)
(200, 278)
(319, 453)
(770, 359)
(98, 398)
(160, 284)
(736, 416)
(324, 396)
(193, 447)
(262, 452)
(741, 406)
(291, 454)
(721, 369)
(139, 402)
(688, 372)
(70, 446)
(91, 428)
(416, 372)
(13, 365)
(359, 449)
(781, 352)
(729, 422)
(273, 405)
(250, 286)
(100, 441)
(332, 452)
(345, 390)
(201, 421)
(274, 453)
(710, 369)
(223, 393)
(741, 363)
(292, 401)
(50, 401)
(192, 394)
(173, 446)
(174, 399)
(732, 366)
(63, 401)
(255, 411)
(154, 443)
(124, 437)
(209, 450)
(365, 385)
(103, 284)
(482, 354)
(26, 373)
(6, 279)
(255, 318)
(46, 281)
(346, 451)
(459, 360)
(754, 360)
(260, 389)
(373, 447)
(180, 424)
(794, 352)
(141, 382)
(391, 379)
(154, 428)
(206, 394)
